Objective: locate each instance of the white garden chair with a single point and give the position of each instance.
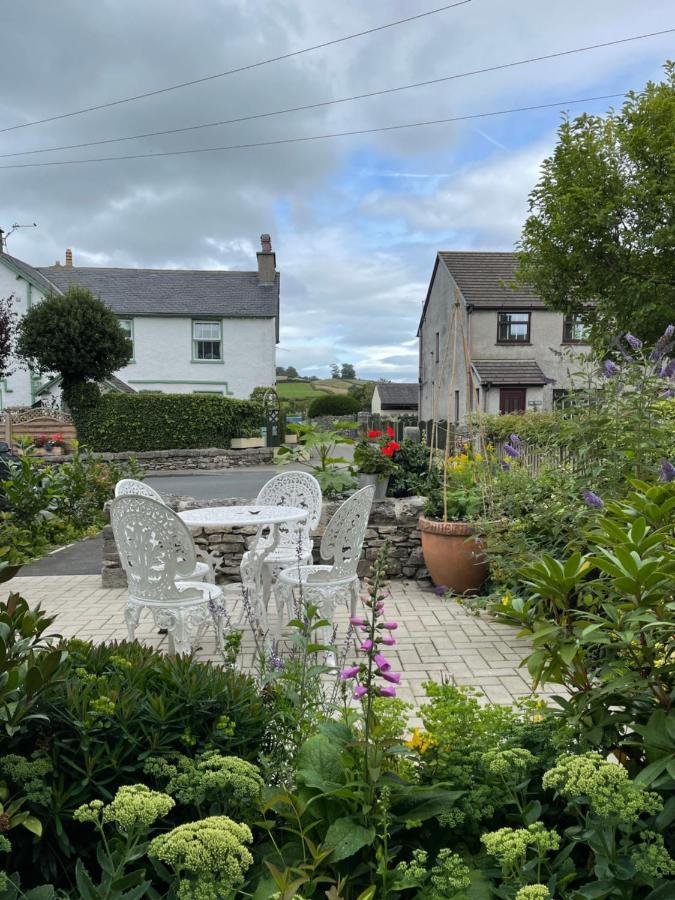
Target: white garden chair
(299, 489)
(157, 553)
(326, 585)
(130, 487)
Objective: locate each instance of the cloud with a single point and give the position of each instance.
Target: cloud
(355, 221)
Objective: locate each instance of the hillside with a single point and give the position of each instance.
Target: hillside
(306, 391)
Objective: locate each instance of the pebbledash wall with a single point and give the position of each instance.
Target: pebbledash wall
(391, 520)
(185, 460)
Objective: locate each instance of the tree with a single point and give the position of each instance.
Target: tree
(76, 335)
(333, 405)
(363, 392)
(7, 331)
(334, 370)
(600, 235)
(347, 371)
(280, 370)
(292, 372)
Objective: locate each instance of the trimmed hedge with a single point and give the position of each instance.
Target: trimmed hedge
(333, 405)
(535, 428)
(137, 422)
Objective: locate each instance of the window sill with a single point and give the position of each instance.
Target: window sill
(209, 362)
(513, 343)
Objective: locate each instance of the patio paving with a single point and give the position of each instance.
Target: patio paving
(436, 638)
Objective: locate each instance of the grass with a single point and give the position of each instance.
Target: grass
(301, 391)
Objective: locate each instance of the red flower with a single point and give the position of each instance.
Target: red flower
(387, 450)
(394, 445)
(374, 434)
(390, 432)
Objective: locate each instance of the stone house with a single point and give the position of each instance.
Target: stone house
(505, 346)
(193, 331)
(395, 399)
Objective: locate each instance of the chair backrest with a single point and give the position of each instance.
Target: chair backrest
(343, 538)
(155, 547)
(131, 487)
(294, 489)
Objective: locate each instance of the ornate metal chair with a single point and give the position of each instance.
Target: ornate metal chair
(326, 585)
(158, 556)
(130, 487)
(295, 543)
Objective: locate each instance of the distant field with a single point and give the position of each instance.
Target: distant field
(309, 390)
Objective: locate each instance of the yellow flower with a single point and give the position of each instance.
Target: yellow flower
(506, 600)
(419, 741)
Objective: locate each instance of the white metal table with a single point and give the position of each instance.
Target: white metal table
(264, 518)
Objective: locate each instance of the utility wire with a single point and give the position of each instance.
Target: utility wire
(246, 68)
(314, 137)
(323, 103)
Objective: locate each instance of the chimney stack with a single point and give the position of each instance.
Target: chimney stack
(69, 259)
(266, 261)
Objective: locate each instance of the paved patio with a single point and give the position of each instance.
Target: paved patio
(436, 638)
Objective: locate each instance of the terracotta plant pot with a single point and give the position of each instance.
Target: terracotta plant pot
(453, 554)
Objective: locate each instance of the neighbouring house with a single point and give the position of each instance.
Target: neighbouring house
(395, 399)
(505, 346)
(193, 331)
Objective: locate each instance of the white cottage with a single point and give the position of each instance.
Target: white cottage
(193, 331)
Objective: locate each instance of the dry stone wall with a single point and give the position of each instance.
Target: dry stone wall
(392, 520)
(179, 460)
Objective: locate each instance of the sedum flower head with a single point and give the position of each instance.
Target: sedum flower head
(449, 875)
(505, 763)
(651, 857)
(416, 867)
(89, 812)
(30, 775)
(510, 845)
(533, 892)
(212, 850)
(136, 806)
(5, 845)
(604, 786)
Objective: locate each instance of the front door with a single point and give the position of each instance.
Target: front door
(512, 400)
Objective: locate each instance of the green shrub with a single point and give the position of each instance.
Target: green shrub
(138, 422)
(333, 405)
(535, 428)
(411, 476)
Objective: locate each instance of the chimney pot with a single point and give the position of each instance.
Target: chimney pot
(266, 261)
(69, 259)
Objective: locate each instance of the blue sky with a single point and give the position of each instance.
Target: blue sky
(356, 221)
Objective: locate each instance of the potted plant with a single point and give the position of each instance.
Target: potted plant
(373, 459)
(452, 548)
(40, 444)
(56, 445)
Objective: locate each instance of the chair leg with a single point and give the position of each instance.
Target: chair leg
(283, 598)
(132, 616)
(354, 591)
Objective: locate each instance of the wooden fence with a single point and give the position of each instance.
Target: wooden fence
(17, 423)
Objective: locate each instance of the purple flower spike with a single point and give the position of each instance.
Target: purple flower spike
(504, 465)
(350, 672)
(359, 691)
(511, 451)
(357, 620)
(592, 500)
(367, 645)
(635, 343)
(389, 640)
(393, 677)
(668, 395)
(382, 662)
(669, 332)
(515, 440)
(440, 589)
(390, 626)
(669, 370)
(387, 691)
(667, 472)
(610, 368)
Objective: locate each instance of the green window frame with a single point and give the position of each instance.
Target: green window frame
(127, 326)
(207, 341)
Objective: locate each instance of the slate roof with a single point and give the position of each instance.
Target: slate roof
(398, 395)
(509, 371)
(31, 274)
(173, 292)
(484, 278)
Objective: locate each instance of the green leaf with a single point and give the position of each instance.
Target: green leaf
(84, 883)
(596, 889)
(33, 825)
(368, 894)
(320, 764)
(346, 837)
(532, 812)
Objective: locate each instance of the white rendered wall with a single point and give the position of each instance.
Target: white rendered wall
(16, 390)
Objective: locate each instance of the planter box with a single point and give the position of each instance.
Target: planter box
(453, 554)
(291, 439)
(246, 443)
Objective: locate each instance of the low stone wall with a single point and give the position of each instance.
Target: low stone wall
(391, 520)
(180, 460)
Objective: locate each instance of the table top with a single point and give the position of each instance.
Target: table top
(233, 516)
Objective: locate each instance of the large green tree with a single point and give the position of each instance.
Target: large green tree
(600, 235)
(76, 335)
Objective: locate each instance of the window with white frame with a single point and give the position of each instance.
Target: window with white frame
(206, 341)
(127, 326)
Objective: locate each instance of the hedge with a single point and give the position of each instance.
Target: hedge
(536, 428)
(137, 422)
(333, 405)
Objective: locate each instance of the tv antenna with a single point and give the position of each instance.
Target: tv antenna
(4, 236)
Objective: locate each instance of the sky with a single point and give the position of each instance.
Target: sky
(355, 221)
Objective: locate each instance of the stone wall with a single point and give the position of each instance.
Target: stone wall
(180, 460)
(391, 520)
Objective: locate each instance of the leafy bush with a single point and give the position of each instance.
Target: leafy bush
(334, 405)
(412, 476)
(138, 422)
(332, 472)
(535, 428)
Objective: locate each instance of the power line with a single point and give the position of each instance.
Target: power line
(323, 103)
(314, 137)
(246, 68)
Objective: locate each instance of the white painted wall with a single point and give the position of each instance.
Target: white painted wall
(16, 390)
(163, 357)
